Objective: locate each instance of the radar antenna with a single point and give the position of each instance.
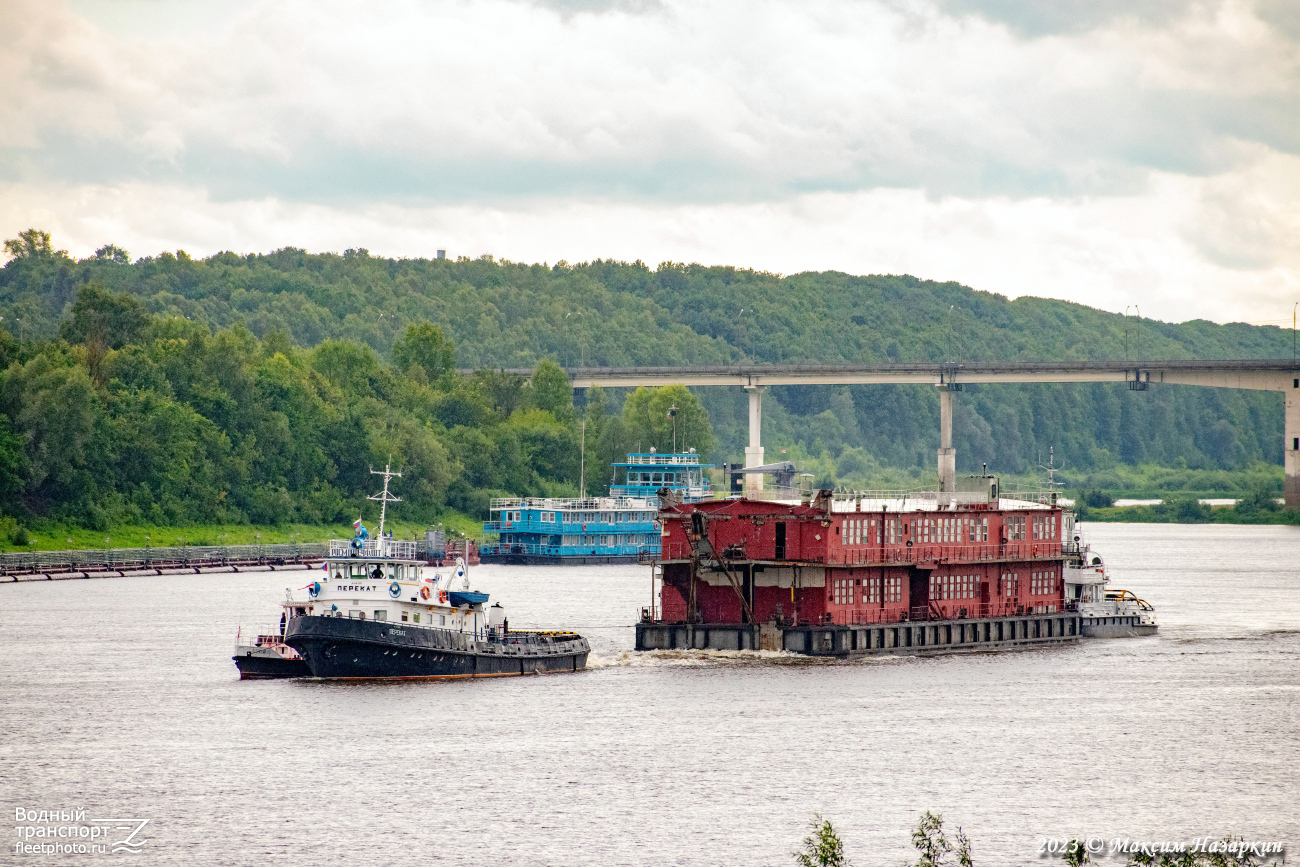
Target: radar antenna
(1052, 469)
(383, 497)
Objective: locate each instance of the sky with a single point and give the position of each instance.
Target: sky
(1109, 152)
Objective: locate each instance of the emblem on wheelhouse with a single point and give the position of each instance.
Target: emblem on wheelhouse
(378, 611)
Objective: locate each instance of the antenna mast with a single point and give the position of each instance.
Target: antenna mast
(1052, 469)
(384, 498)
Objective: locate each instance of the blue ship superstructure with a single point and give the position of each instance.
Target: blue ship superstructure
(619, 528)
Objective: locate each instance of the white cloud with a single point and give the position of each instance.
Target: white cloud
(1112, 158)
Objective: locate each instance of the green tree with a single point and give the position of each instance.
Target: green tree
(99, 316)
(31, 244)
(549, 390)
(651, 414)
(932, 845)
(13, 462)
(53, 408)
(424, 353)
(821, 848)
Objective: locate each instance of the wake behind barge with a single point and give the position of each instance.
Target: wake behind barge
(929, 572)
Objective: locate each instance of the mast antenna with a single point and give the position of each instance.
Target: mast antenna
(1052, 469)
(383, 497)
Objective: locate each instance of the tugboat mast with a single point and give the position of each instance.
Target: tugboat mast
(383, 497)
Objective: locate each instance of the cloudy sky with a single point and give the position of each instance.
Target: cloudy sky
(1112, 152)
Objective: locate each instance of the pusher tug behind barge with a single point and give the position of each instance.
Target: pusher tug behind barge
(379, 612)
(927, 572)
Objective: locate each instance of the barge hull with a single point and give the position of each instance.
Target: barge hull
(342, 648)
(835, 640)
(1123, 626)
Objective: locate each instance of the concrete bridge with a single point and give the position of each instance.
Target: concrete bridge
(1261, 375)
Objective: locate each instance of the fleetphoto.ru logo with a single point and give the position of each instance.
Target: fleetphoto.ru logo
(69, 832)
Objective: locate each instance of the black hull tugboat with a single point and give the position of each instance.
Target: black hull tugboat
(380, 612)
(340, 647)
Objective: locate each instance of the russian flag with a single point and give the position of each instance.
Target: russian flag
(356, 525)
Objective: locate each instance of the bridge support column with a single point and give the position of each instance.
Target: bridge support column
(754, 452)
(1291, 456)
(947, 454)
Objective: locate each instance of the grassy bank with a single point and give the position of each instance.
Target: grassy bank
(1188, 511)
(57, 535)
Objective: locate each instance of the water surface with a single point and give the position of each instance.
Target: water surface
(120, 696)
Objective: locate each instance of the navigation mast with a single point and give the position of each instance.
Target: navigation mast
(383, 497)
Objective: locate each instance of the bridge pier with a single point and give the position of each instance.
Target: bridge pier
(947, 454)
(754, 451)
(1291, 454)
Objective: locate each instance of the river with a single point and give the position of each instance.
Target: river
(119, 696)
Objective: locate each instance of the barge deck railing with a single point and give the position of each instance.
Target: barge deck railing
(896, 555)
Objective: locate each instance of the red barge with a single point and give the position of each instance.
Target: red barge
(836, 576)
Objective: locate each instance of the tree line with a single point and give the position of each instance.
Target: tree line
(130, 416)
(499, 314)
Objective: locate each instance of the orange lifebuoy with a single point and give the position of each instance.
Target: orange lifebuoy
(424, 592)
(442, 595)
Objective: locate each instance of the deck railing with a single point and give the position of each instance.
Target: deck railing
(898, 554)
(628, 549)
(380, 548)
(586, 504)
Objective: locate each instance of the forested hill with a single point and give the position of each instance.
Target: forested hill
(504, 314)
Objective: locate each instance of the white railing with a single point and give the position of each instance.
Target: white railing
(665, 460)
(593, 504)
(387, 549)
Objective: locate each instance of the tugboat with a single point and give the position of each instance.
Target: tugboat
(1104, 612)
(380, 612)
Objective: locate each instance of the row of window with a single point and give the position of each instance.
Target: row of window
(954, 587)
(1040, 584)
(940, 531)
(639, 478)
(943, 531)
(584, 517)
(891, 588)
(373, 571)
(1043, 584)
(859, 531)
(382, 615)
(1044, 527)
(610, 539)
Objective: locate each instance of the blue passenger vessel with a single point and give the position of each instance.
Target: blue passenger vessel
(618, 528)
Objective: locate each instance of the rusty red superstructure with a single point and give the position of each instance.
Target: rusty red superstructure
(846, 563)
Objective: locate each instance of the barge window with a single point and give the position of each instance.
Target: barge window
(417, 617)
(379, 615)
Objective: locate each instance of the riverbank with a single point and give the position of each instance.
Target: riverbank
(1189, 511)
(48, 535)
